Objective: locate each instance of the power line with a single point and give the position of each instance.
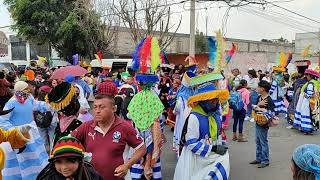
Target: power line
(286, 9)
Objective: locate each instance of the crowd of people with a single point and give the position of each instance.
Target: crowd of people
(72, 128)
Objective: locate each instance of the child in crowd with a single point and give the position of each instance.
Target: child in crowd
(239, 115)
(262, 114)
(67, 162)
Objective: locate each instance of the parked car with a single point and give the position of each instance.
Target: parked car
(7, 66)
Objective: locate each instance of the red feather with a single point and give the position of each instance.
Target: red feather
(145, 55)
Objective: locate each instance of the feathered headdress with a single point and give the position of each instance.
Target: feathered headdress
(282, 62)
(146, 58)
(306, 51)
(146, 107)
(216, 52)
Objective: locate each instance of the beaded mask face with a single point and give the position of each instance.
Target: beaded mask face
(21, 96)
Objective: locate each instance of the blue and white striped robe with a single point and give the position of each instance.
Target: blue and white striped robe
(277, 94)
(28, 164)
(137, 170)
(302, 115)
(196, 160)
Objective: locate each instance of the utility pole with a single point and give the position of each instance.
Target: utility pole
(192, 43)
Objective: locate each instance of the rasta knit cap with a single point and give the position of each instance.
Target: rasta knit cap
(67, 147)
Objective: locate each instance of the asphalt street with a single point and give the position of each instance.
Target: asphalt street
(282, 142)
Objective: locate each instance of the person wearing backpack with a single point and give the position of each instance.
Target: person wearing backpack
(240, 111)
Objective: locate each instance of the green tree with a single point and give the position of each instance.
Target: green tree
(201, 42)
(69, 26)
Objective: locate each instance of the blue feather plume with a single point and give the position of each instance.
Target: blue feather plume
(212, 49)
(136, 57)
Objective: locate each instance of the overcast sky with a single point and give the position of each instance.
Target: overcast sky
(243, 23)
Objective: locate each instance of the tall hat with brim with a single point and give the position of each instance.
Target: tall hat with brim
(282, 62)
(208, 91)
(313, 73)
(302, 63)
(201, 79)
(61, 96)
(67, 147)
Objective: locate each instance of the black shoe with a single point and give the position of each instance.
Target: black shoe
(255, 162)
(263, 165)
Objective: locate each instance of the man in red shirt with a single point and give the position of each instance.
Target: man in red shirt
(107, 86)
(106, 137)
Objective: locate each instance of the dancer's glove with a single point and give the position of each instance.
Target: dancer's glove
(24, 129)
(219, 149)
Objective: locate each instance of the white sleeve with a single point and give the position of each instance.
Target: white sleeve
(192, 138)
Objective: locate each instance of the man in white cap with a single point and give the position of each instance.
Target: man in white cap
(28, 162)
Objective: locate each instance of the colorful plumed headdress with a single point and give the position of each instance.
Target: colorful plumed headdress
(206, 92)
(146, 59)
(282, 62)
(145, 107)
(67, 147)
(61, 96)
(217, 58)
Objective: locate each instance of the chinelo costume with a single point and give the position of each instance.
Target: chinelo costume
(277, 91)
(17, 138)
(63, 99)
(306, 109)
(301, 65)
(204, 154)
(182, 110)
(28, 162)
(145, 108)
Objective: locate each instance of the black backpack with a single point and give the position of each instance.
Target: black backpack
(184, 132)
(43, 119)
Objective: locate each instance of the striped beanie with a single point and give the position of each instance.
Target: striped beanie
(66, 147)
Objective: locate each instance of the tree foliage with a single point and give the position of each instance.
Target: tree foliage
(147, 17)
(201, 42)
(70, 26)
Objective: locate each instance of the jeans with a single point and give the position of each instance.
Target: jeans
(238, 117)
(253, 100)
(262, 146)
(48, 135)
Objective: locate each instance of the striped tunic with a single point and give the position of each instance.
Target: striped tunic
(196, 160)
(137, 170)
(277, 94)
(302, 115)
(27, 164)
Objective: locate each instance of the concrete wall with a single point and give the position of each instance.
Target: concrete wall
(302, 40)
(180, 44)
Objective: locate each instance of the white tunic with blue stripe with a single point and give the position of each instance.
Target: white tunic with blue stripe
(302, 115)
(27, 164)
(137, 170)
(277, 94)
(196, 160)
